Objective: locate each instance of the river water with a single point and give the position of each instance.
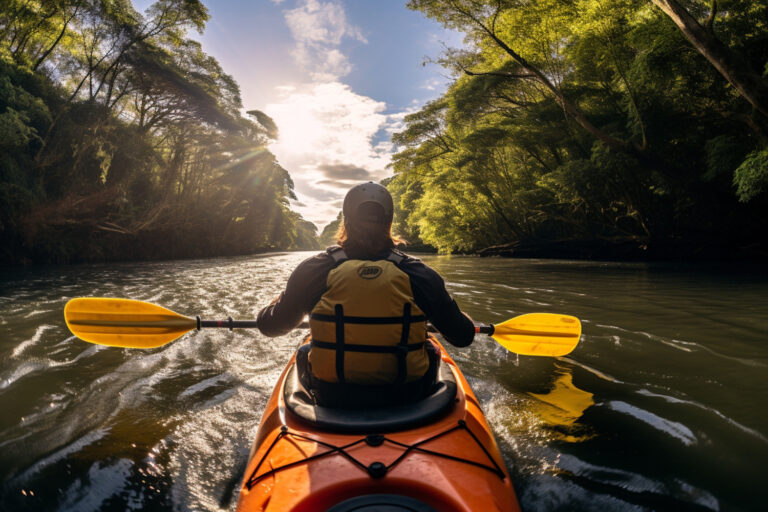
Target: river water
(662, 406)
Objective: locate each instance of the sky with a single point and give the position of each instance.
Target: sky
(337, 76)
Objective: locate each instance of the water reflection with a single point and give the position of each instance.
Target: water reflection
(659, 408)
(562, 406)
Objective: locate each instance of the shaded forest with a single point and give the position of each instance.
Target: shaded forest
(121, 139)
(573, 128)
(593, 128)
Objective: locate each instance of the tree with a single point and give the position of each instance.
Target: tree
(125, 139)
(731, 65)
(580, 120)
(328, 236)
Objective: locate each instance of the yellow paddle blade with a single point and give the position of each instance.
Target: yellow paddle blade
(539, 334)
(563, 406)
(124, 322)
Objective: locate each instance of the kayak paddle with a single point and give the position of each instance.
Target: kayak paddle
(536, 334)
(132, 323)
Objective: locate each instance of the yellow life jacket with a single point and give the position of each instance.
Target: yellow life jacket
(366, 328)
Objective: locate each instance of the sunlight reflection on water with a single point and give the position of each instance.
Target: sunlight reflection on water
(661, 385)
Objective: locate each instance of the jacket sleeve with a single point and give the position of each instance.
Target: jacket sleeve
(304, 288)
(431, 296)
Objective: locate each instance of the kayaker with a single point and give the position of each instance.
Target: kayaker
(368, 305)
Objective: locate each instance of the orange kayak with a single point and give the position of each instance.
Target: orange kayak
(434, 455)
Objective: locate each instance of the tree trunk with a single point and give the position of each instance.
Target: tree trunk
(751, 86)
(57, 41)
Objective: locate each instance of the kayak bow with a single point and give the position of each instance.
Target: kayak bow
(435, 455)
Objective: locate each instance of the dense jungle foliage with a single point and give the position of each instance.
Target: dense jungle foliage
(121, 139)
(593, 128)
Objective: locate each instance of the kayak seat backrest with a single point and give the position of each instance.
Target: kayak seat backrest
(366, 421)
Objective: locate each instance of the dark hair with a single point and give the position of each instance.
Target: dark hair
(365, 238)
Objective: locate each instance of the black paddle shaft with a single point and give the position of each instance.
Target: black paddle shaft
(485, 329)
(227, 324)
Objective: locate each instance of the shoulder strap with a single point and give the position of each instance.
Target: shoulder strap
(396, 257)
(338, 254)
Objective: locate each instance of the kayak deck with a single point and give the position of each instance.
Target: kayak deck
(450, 464)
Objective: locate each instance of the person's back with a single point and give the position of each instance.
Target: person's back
(368, 310)
(368, 306)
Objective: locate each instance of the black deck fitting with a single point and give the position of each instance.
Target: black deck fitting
(377, 470)
(374, 439)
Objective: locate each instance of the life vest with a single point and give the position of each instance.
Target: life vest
(366, 328)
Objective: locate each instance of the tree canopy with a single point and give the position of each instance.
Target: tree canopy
(610, 121)
(121, 138)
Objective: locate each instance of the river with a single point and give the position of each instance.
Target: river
(660, 407)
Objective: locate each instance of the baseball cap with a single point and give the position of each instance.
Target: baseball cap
(368, 202)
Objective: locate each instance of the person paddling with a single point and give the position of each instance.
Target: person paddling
(368, 304)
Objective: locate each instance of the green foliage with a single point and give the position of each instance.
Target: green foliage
(121, 138)
(305, 236)
(266, 122)
(724, 155)
(586, 119)
(751, 177)
(21, 115)
(328, 236)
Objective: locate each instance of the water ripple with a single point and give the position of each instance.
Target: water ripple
(673, 385)
(24, 345)
(672, 428)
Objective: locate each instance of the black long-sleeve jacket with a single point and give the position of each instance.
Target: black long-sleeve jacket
(308, 283)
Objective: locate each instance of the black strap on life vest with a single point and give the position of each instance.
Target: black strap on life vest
(400, 350)
(395, 257)
(340, 342)
(382, 320)
(338, 255)
(402, 347)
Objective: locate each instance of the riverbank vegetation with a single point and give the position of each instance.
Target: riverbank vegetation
(593, 128)
(121, 139)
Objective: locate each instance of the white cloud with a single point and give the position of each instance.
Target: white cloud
(433, 84)
(327, 143)
(331, 138)
(318, 29)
